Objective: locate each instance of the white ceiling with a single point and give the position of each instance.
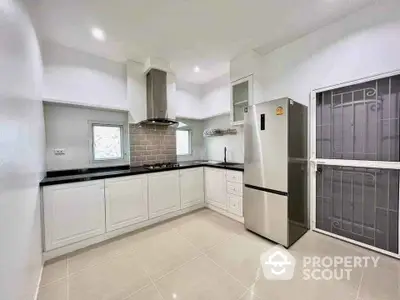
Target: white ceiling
(207, 33)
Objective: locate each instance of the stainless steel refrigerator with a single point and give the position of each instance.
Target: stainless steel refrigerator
(275, 170)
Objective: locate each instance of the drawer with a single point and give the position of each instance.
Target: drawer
(234, 176)
(234, 188)
(235, 205)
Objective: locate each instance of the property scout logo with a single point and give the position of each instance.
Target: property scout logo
(278, 264)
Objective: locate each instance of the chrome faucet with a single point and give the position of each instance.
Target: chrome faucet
(224, 154)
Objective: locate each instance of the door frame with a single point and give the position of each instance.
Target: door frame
(314, 162)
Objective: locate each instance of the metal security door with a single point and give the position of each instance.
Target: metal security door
(355, 162)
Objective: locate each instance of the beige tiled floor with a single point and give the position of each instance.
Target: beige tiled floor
(204, 255)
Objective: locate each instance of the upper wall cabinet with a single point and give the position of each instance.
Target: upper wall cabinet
(241, 93)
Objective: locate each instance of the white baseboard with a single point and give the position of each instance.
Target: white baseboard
(36, 297)
(109, 235)
(225, 213)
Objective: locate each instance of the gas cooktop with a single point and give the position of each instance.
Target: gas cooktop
(166, 165)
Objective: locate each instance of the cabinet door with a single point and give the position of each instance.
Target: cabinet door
(126, 201)
(73, 212)
(241, 94)
(215, 182)
(164, 194)
(192, 187)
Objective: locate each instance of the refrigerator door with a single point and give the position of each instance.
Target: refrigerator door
(266, 145)
(266, 214)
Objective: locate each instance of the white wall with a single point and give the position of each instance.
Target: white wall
(215, 96)
(136, 91)
(76, 77)
(187, 100)
(215, 145)
(21, 154)
(68, 127)
(363, 44)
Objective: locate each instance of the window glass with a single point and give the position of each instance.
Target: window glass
(107, 142)
(183, 142)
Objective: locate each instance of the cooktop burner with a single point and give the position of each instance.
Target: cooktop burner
(166, 165)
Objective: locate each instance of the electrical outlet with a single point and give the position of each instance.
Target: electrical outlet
(59, 151)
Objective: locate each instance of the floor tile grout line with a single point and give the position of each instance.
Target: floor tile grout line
(242, 295)
(147, 285)
(226, 271)
(143, 287)
(359, 285)
(208, 248)
(68, 283)
(116, 255)
(152, 282)
(53, 281)
(180, 266)
(157, 289)
(135, 292)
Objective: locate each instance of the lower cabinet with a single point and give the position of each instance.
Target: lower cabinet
(234, 189)
(126, 201)
(215, 186)
(164, 193)
(235, 205)
(73, 212)
(192, 187)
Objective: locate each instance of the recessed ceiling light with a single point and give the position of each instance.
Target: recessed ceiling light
(98, 34)
(196, 69)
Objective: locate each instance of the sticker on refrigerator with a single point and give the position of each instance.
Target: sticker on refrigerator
(279, 111)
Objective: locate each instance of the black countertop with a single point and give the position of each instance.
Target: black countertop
(59, 177)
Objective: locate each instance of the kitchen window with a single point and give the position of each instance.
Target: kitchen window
(183, 142)
(107, 142)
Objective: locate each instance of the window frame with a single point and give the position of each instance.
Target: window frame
(121, 126)
(190, 133)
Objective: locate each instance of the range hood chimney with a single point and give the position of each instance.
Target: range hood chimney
(156, 88)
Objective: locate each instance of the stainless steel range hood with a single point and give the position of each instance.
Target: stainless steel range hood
(156, 87)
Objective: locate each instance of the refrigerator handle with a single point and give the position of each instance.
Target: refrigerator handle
(247, 142)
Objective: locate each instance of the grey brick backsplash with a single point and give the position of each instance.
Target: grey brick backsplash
(150, 144)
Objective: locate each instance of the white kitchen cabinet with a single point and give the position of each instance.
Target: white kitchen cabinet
(234, 188)
(241, 96)
(235, 205)
(192, 187)
(126, 201)
(234, 176)
(164, 193)
(215, 186)
(73, 212)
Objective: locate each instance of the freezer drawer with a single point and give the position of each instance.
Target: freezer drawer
(266, 214)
